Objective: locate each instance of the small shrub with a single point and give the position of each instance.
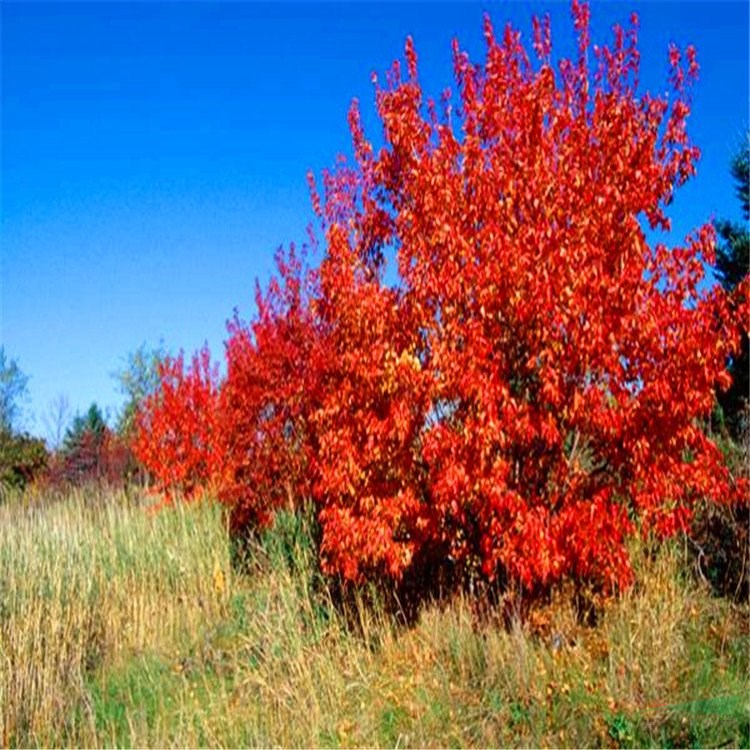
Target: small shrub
(22, 460)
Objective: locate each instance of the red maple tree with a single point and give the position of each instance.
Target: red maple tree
(179, 437)
(529, 393)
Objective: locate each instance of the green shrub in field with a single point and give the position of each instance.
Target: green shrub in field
(22, 459)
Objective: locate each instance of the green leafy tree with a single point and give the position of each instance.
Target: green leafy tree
(13, 391)
(138, 379)
(22, 457)
(732, 262)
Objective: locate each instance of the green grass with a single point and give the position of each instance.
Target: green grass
(124, 628)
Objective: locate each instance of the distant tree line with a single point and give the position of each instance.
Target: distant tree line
(78, 451)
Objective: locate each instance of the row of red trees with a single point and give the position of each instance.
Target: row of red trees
(529, 393)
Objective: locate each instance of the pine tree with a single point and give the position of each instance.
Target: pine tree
(732, 263)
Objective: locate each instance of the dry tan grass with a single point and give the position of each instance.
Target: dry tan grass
(120, 628)
(89, 580)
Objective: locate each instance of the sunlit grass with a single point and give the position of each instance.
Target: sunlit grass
(88, 580)
(124, 628)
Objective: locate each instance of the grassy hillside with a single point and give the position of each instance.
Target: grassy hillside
(123, 627)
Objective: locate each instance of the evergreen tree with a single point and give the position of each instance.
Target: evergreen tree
(84, 446)
(90, 425)
(732, 263)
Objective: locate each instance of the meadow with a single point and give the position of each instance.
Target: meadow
(125, 627)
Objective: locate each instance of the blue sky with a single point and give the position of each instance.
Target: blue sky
(154, 154)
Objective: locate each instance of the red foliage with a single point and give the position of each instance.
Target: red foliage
(103, 458)
(267, 400)
(528, 395)
(178, 433)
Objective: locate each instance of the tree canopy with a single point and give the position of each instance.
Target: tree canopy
(528, 396)
(13, 392)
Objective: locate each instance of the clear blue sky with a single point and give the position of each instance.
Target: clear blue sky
(154, 154)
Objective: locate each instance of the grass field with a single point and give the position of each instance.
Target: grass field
(123, 627)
